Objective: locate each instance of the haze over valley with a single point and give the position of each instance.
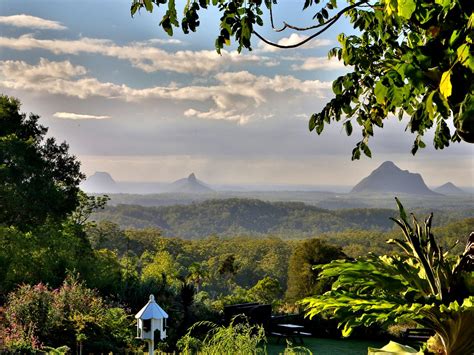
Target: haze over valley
(192, 208)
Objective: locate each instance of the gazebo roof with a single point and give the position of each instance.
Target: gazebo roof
(151, 310)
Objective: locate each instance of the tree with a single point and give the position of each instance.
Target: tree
(410, 58)
(164, 265)
(266, 290)
(424, 284)
(302, 278)
(39, 180)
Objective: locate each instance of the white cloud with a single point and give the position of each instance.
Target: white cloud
(295, 38)
(140, 55)
(163, 41)
(78, 116)
(233, 97)
(303, 116)
(31, 22)
(217, 114)
(322, 63)
(21, 71)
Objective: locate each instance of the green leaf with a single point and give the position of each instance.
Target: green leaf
(406, 8)
(337, 86)
(133, 9)
(312, 122)
(444, 3)
(470, 23)
(366, 149)
(445, 86)
(465, 57)
(403, 214)
(356, 153)
(380, 92)
(429, 105)
(148, 5)
(348, 127)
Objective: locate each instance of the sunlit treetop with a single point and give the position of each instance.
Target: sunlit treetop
(410, 58)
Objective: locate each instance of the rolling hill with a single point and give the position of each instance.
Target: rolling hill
(245, 217)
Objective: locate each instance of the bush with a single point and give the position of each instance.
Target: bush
(71, 315)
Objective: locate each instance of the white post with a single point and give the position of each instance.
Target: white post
(151, 347)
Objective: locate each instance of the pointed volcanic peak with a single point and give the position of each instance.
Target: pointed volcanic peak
(99, 182)
(190, 185)
(449, 189)
(389, 179)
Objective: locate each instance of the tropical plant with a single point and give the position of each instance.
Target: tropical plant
(424, 284)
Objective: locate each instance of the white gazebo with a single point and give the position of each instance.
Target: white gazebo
(151, 318)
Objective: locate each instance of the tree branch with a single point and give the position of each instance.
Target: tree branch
(335, 17)
(274, 44)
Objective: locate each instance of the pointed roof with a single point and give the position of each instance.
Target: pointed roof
(151, 311)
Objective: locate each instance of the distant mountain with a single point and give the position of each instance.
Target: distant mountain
(189, 185)
(449, 189)
(100, 182)
(389, 178)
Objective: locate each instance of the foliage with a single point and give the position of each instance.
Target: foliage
(236, 338)
(266, 291)
(409, 57)
(87, 205)
(302, 278)
(37, 316)
(163, 265)
(446, 281)
(425, 285)
(43, 255)
(39, 179)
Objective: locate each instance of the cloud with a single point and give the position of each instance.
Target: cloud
(78, 116)
(163, 41)
(31, 22)
(21, 71)
(295, 38)
(217, 114)
(233, 96)
(141, 56)
(322, 63)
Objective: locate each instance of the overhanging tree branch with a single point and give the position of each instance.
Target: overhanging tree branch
(334, 18)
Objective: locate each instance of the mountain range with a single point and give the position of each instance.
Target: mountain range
(102, 182)
(387, 179)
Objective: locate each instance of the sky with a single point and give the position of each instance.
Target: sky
(143, 106)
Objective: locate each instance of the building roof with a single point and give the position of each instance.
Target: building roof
(151, 311)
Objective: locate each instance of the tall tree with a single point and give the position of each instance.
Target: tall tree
(302, 278)
(411, 58)
(39, 180)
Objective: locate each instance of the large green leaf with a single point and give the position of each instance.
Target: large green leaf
(406, 8)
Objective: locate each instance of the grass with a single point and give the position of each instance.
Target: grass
(320, 346)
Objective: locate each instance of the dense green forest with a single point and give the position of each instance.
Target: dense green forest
(231, 217)
(321, 199)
